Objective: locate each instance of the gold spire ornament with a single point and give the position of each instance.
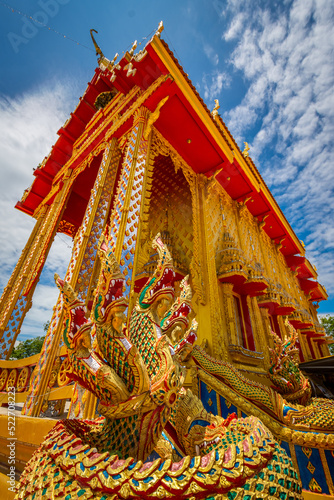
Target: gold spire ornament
(160, 29)
(104, 63)
(245, 151)
(97, 48)
(215, 109)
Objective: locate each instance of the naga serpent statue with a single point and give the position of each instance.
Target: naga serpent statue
(284, 371)
(154, 439)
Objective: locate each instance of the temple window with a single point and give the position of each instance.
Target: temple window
(243, 322)
(274, 324)
(239, 321)
(300, 350)
(310, 344)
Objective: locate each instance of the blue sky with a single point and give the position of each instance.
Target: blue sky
(270, 64)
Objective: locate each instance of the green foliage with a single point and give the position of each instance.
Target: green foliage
(328, 324)
(27, 348)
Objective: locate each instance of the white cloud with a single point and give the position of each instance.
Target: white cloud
(214, 83)
(211, 54)
(287, 113)
(46, 293)
(28, 126)
(235, 27)
(45, 298)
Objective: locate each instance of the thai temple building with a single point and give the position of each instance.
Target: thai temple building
(175, 364)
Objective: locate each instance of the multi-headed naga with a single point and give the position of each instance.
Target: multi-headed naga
(153, 439)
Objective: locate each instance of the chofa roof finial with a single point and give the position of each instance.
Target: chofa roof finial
(104, 63)
(97, 48)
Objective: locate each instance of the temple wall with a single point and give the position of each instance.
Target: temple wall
(204, 225)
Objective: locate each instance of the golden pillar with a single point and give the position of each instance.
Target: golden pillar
(305, 347)
(316, 349)
(132, 198)
(260, 337)
(229, 315)
(78, 275)
(266, 326)
(325, 349)
(129, 211)
(206, 215)
(83, 403)
(283, 329)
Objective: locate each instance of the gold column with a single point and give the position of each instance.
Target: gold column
(266, 326)
(260, 226)
(130, 203)
(254, 326)
(240, 212)
(16, 298)
(325, 349)
(282, 327)
(197, 264)
(78, 274)
(129, 211)
(212, 220)
(229, 317)
(260, 338)
(305, 346)
(206, 215)
(316, 349)
(320, 349)
(85, 404)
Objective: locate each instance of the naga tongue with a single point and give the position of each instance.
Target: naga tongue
(191, 337)
(104, 246)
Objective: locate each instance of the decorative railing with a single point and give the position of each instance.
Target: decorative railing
(16, 374)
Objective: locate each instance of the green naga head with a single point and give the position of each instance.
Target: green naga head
(160, 286)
